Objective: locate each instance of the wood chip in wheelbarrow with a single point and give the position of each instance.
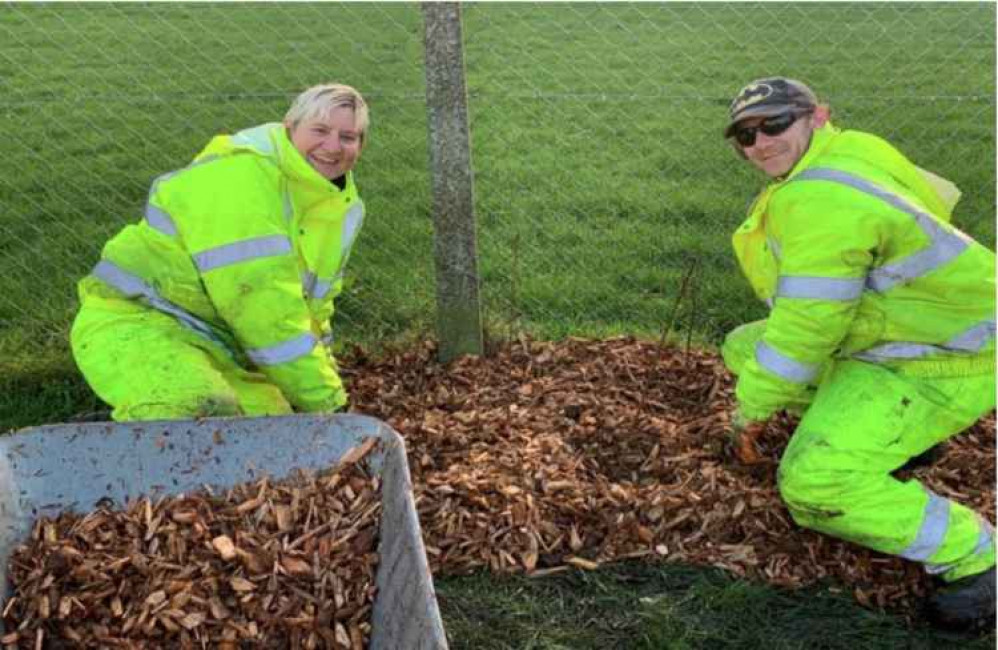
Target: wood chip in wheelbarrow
(283, 564)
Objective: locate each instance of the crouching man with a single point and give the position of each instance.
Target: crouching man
(881, 334)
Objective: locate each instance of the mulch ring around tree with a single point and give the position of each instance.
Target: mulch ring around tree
(548, 455)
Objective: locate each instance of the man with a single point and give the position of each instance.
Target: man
(219, 301)
(881, 333)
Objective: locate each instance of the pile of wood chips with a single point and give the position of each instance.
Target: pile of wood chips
(548, 455)
(288, 564)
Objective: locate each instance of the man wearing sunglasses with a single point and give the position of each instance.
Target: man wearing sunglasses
(880, 334)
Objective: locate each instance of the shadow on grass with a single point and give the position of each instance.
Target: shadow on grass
(36, 396)
(643, 607)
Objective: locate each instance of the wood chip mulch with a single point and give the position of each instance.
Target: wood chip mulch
(546, 455)
(289, 564)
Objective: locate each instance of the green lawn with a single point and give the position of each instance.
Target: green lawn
(599, 168)
(634, 606)
(600, 177)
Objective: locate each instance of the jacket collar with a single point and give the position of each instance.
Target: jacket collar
(821, 138)
(271, 141)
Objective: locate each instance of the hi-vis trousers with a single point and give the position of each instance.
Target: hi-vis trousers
(148, 366)
(864, 421)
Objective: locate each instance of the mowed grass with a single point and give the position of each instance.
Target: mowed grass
(601, 178)
(600, 150)
(601, 182)
(636, 606)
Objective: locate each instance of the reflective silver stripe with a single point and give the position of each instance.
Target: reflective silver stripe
(133, 286)
(936, 569)
(790, 286)
(889, 351)
(944, 248)
(308, 280)
(155, 216)
(160, 220)
(258, 138)
(327, 339)
(774, 246)
(352, 222)
(784, 366)
(321, 288)
(973, 339)
(985, 536)
(945, 244)
(313, 287)
(935, 523)
(130, 285)
(284, 351)
(242, 251)
(969, 341)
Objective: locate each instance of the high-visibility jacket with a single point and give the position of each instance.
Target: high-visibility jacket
(854, 253)
(246, 246)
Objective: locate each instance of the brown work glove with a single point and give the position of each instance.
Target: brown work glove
(744, 433)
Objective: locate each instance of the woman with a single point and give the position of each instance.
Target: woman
(219, 301)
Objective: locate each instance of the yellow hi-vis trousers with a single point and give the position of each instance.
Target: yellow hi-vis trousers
(147, 366)
(865, 421)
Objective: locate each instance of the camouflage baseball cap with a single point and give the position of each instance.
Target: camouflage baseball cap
(770, 96)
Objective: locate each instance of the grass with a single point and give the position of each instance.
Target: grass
(600, 180)
(599, 168)
(634, 606)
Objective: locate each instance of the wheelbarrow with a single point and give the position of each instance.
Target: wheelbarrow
(75, 467)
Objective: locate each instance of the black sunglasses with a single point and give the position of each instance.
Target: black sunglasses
(745, 136)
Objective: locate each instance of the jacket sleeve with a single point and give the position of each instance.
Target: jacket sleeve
(322, 324)
(241, 246)
(323, 312)
(825, 240)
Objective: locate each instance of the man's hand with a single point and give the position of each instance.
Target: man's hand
(744, 433)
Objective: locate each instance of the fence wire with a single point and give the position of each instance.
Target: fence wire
(602, 183)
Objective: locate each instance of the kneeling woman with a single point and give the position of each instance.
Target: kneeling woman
(219, 301)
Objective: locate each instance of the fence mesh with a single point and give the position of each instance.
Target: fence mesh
(605, 195)
(603, 181)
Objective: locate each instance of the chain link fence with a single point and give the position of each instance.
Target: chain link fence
(605, 195)
(603, 183)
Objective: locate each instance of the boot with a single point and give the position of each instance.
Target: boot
(966, 605)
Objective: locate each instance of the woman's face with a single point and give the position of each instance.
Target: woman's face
(331, 143)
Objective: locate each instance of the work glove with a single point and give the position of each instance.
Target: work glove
(744, 433)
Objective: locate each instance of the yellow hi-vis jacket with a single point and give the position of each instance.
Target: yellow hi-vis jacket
(855, 256)
(246, 246)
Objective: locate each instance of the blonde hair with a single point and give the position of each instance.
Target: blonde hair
(319, 101)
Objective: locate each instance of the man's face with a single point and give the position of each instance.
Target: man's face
(777, 154)
(331, 144)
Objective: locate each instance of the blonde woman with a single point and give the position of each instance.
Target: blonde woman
(218, 302)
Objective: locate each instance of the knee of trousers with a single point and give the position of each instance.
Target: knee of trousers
(739, 345)
(815, 498)
(180, 407)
